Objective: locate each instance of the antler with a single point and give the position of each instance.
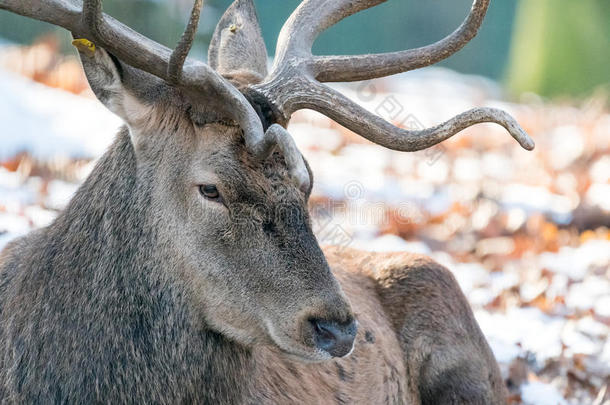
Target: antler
(176, 61)
(295, 82)
(90, 22)
(174, 67)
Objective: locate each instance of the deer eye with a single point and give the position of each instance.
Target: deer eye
(210, 192)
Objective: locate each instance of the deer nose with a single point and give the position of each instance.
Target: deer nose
(337, 339)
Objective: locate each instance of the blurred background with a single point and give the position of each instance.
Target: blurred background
(526, 233)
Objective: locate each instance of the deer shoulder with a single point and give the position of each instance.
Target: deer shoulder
(445, 354)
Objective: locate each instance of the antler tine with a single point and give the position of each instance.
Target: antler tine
(364, 67)
(377, 130)
(176, 61)
(314, 16)
(277, 137)
(93, 20)
(92, 17)
(310, 19)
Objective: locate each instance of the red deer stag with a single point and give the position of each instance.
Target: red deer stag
(185, 268)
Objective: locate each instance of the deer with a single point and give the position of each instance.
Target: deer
(185, 268)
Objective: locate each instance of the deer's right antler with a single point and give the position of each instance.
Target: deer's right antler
(143, 53)
(296, 80)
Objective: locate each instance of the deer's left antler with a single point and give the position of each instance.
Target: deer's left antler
(296, 80)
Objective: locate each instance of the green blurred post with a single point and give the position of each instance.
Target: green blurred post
(560, 47)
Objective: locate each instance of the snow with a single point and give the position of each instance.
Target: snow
(578, 342)
(527, 328)
(536, 393)
(60, 193)
(602, 306)
(50, 123)
(39, 216)
(503, 351)
(599, 195)
(600, 170)
(5, 238)
(14, 224)
(538, 199)
(576, 262)
(582, 296)
(567, 145)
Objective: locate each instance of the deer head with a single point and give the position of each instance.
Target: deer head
(229, 188)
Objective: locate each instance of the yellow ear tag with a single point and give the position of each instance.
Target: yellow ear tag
(85, 46)
(233, 28)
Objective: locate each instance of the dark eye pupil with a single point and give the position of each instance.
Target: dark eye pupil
(209, 191)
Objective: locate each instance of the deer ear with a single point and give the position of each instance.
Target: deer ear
(237, 50)
(126, 91)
